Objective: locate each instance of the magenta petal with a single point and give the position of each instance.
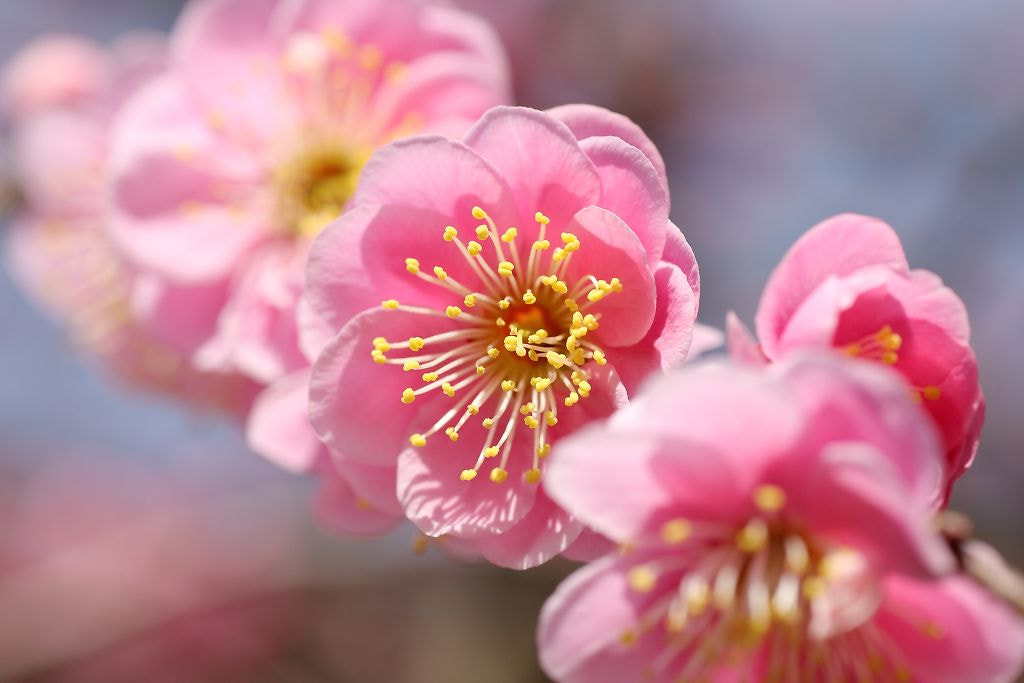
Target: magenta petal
(632, 190)
(610, 249)
(350, 394)
(541, 161)
(836, 247)
(278, 427)
(543, 533)
(586, 121)
(438, 502)
(952, 631)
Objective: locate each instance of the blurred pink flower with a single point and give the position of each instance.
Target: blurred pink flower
(499, 339)
(846, 285)
(228, 165)
(776, 528)
(59, 249)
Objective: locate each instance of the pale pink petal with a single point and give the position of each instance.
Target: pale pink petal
(705, 340)
(836, 247)
(632, 190)
(951, 631)
(586, 120)
(437, 500)
(678, 252)
(350, 394)
(543, 533)
(743, 348)
(314, 332)
(541, 161)
(588, 547)
(609, 250)
(341, 511)
(374, 484)
(56, 71)
(182, 317)
(278, 427)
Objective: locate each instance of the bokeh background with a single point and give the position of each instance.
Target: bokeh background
(139, 541)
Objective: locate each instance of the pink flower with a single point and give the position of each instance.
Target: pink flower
(530, 280)
(846, 285)
(776, 528)
(254, 140)
(59, 249)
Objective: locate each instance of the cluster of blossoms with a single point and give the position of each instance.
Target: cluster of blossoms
(319, 216)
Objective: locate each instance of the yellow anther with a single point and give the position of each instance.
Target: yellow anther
(558, 255)
(488, 422)
(893, 342)
(532, 476)
(579, 332)
(555, 359)
(599, 357)
(498, 475)
(544, 450)
(452, 434)
(541, 218)
(479, 214)
(416, 343)
(448, 389)
(504, 303)
(511, 342)
(505, 269)
(430, 377)
(411, 365)
(572, 399)
(491, 452)
(676, 531)
(469, 301)
(890, 357)
(642, 579)
(627, 638)
(541, 245)
(508, 385)
(453, 311)
(509, 235)
(813, 587)
(616, 284)
(493, 352)
(378, 357)
(472, 409)
(550, 418)
(752, 537)
(538, 336)
(590, 321)
(412, 265)
(450, 233)
(474, 248)
(530, 421)
(440, 273)
(769, 498)
(381, 344)
(389, 304)
(527, 408)
(482, 233)
(932, 393)
(585, 388)
(595, 295)
(468, 475)
(572, 305)
(548, 280)
(571, 343)
(532, 355)
(418, 440)
(560, 287)
(408, 396)
(529, 297)
(604, 286)
(578, 357)
(480, 370)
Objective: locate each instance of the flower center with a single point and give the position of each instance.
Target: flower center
(766, 585)
(883, 346)
(314, 186)
(522, 350)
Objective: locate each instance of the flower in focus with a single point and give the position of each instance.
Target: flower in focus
(777, 529)
(493, 295)
(60, 96)
(846, 285)
(255, 139)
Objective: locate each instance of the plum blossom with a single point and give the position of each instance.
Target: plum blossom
(60, 95)
(228, 165)
(846, 285)
(493, 295)
(775, 529)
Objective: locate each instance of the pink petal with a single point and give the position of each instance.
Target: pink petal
(182, 316)
(543, 533)
(350, 394)
(278, 427)
(541, 161)
(632, 190)
(743, 348)
(588, 547)
(340, 511)
(56, 71)
(585, 121)
(836, 247)
(678, 252)
(610, 249)
(374, 484)
(438, 502)
(951, 631)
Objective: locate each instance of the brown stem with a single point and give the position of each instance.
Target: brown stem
(980, 561)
